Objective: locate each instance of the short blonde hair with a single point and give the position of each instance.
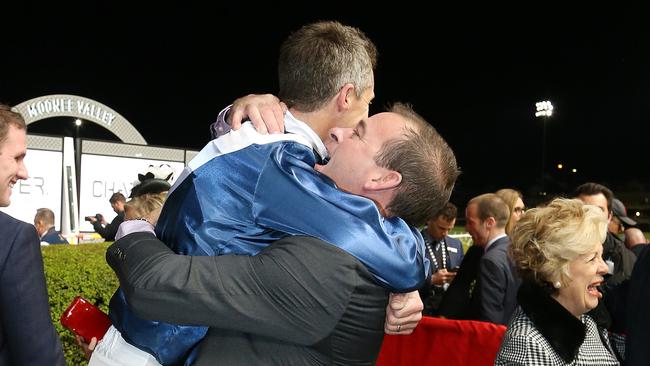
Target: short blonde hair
(547, 239)
(146, 206)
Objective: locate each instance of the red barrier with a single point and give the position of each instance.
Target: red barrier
(446, 342)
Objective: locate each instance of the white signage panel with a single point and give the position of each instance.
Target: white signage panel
(101, 176)
(42, 189)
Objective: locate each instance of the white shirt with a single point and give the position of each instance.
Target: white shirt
(493, 240)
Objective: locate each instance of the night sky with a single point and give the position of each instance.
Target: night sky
(475, 74)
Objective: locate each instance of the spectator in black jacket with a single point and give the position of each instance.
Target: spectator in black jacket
(108, 232)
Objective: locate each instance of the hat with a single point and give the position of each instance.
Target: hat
(618, 209)
(155, 180)
(150, 186)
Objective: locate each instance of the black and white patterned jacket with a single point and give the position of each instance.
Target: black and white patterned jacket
(542, 332)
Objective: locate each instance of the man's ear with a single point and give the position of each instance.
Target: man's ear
(344, 98)
(388, 179)
(491, 222)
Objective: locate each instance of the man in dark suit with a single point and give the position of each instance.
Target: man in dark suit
(495, 297)
(44, 224)
(445, 255)
(27, 335)
(638, 338)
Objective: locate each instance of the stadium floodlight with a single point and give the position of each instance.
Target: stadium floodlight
(544, 109)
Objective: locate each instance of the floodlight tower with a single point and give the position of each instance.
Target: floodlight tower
(544, 110)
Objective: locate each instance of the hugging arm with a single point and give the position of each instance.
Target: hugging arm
(265, 111)
(284, 292)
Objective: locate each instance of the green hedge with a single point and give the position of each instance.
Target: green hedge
(73, 270)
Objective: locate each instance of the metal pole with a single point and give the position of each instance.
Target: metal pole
(77, 160)
(544, 120)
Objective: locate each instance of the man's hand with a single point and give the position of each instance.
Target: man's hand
(266, 112)
(442, 276)
(87, 348)
(403, 313)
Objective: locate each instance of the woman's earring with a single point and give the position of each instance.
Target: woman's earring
(557, 284)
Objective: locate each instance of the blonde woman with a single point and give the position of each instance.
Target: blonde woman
(515, 202)
(145, 207)
(558, 253)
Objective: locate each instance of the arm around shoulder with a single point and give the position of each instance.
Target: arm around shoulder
(284, 292)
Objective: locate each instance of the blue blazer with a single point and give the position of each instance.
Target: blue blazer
(54, 237)
(455, 249)
(27, 335)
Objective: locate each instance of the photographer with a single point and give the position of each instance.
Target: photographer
(108, 232)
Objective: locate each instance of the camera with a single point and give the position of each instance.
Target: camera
(98, 217)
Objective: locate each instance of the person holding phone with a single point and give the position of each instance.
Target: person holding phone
(445, 254)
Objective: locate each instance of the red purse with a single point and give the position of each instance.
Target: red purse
(85, 319)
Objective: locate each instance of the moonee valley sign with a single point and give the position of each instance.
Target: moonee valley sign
(62, 105)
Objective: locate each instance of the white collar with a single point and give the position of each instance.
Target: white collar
(294, 125)
(493, 240)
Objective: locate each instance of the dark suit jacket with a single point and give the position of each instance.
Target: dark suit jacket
(457, 302)
(27, 335)
(454, 247)
(300, 301)
(432, 295)
(638, 316)
(614, 250)
(637, 249)
(108, 232)
(497, 284)
(54, 237)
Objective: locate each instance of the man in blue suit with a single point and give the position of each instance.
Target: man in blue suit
(44, 224)
(27, 335)
(445, 255)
